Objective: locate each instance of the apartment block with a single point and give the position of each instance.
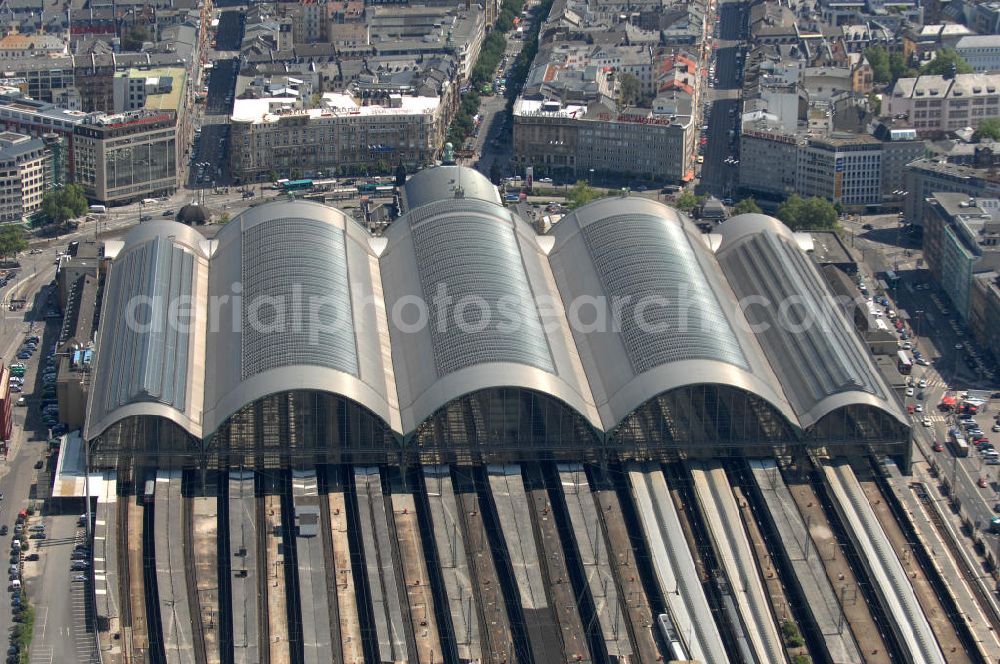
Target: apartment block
(342, 135)
(24, 176)
(576, 141)
(938, 104)
(127, 156)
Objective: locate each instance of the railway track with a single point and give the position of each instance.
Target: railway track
(125, 581)
(260, 536)
(968, 573)
(194, 600)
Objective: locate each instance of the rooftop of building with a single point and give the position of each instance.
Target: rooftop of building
(170, 96)
(334, 104)
(978, 41)
(977, 219)
(41, 109)
(955, 170)
(14, 145)
(940, 87)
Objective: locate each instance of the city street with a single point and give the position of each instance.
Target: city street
(717, 177)
(885, 246)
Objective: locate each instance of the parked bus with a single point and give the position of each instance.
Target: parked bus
(891, 278)
(903, 363)
(296, 185)
(958, 443)
(149, 493)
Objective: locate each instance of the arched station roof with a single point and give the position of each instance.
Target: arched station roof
(668, 318)
(291, 283)
(440, 183)
(817, 357)
(152, 340)
(485, 285)
(461, 297)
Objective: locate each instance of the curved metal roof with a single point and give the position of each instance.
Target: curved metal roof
(440, 183)
(149, 348)
(291, 285)
(463, 282)
(667, 317)
(819, 359)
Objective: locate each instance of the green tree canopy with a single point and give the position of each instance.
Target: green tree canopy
(686, 201)
(878, 59)
(629, 90)
(942, 62)
(133, 38)
(808, 214)
(581, 194)
(747, 206)
(61, 205)
(12, 240)
(898, 68)
(988, 130)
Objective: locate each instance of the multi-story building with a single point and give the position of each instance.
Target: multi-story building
(984, 311)
(30, 46)
(127, 156)
(939, 104)
(24, 176)
(40, 119)
(924, 177)
(842, 168)
(982, 52)
(961, 239)
(272, 135)
(985, 19)
(852, 169)
(577, 141)
(760, 146)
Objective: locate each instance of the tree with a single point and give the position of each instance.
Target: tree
(581, 194)
(629, 90)
(686, 201)
(400, 175)
(807, 214)
(133, 38)
(878, 59)
(898, 68)
(12, 240)
(989, 130)
(875, 104)
(747, 206)
(61, 205)
(943, 61)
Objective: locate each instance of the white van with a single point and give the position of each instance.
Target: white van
(149, 201)
(99, 209)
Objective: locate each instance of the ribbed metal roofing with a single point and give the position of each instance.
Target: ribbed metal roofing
(308, 260)
(543, 297)
(151, 354)
(441, 183)
(812, 349)
(462, 259)
(482, 267)
(301, 266)
(148, 345)
(668, 310)
(655, 313)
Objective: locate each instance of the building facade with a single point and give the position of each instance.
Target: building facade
(847, 168)
(842, 170)
(578, 141)
(982, 52)
(939, 104)
(924, 177)
(25, 176)
(126, 157)
(269, 135)
(961, 239)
